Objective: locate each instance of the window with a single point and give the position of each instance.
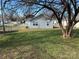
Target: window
(35, 24)
(47, 23)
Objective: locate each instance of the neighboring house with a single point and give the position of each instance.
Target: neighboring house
(41, 21)
(77, 25)
(5, 21)
(1, 22)
(64, 22)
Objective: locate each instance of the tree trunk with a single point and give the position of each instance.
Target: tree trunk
(67, 32)
(2, 12)
(67, 35)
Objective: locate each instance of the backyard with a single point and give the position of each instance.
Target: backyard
(47, 44)
(39, 29)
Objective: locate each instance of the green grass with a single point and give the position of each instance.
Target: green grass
(39, 45)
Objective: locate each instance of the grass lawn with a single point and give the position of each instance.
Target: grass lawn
(38, 45)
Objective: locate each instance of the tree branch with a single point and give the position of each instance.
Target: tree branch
(38, 10)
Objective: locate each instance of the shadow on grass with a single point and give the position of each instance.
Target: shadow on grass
(35, 39)
(17, 39)
(1, 32)
(31, 38)
(76, 33)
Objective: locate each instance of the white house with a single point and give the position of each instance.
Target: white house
(41, 21)
(77, 25)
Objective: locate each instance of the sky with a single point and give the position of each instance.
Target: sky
(21, 9)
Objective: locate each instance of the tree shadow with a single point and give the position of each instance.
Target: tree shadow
(31, 38)
(34, 38)
(24, 39)
(76, 33)
(2, 32)
(17, 39)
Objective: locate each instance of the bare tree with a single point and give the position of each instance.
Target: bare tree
(60, 9)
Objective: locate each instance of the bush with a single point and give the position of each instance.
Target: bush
(27, 27)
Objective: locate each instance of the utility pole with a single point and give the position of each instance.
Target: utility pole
(2, 14)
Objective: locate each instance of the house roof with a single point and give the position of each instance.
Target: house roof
(41, 16)
(29, 16)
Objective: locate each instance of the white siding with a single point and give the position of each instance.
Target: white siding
(42, 23)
